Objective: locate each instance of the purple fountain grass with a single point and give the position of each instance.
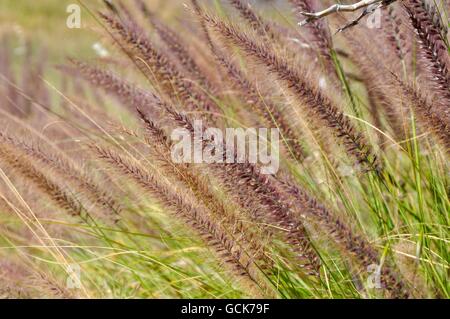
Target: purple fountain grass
(393, 31)
(437, 124)
(350, 243)
(19, 281)
(255, 21)
(23, 166)
(177, 47)
(265, 108)
(281, 235)
(376, 80)
(433, 48)
(129, 94)
(104, 202)
(261, 198)
(319, 31)
(250, 239)
(386, 85)
(306, 93)
(182, 205)
(155, 65)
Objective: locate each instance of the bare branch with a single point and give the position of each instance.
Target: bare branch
(369, 5)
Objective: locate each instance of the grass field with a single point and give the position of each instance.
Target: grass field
(92, 204)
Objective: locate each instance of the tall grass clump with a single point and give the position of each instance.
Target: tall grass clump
(92, 203)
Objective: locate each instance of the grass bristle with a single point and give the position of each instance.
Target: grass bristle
(94, 204)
